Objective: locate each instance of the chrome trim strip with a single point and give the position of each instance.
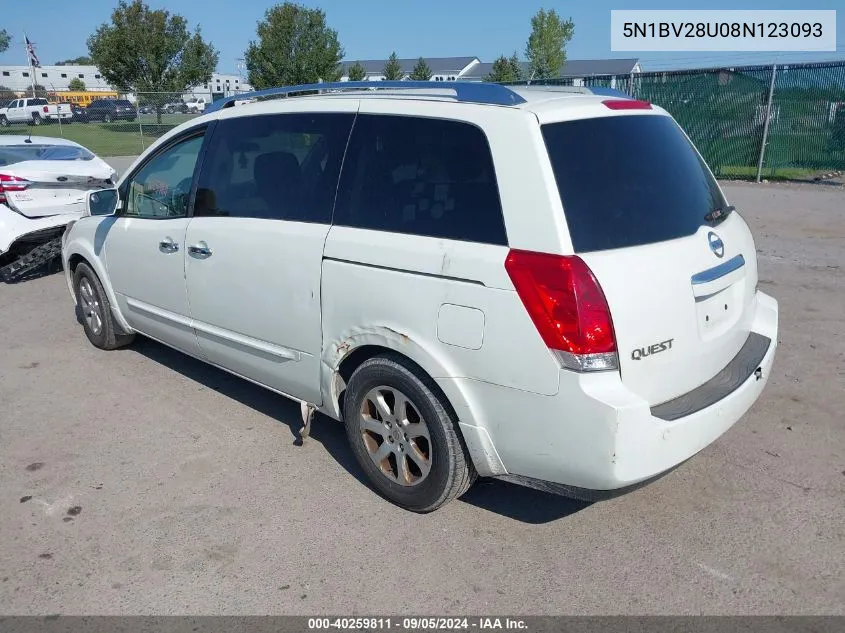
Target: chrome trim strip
(712, 274)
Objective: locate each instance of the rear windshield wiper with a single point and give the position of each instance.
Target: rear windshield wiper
(719, 214)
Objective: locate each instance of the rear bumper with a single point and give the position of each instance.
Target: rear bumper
(595, 436)
(15, 227)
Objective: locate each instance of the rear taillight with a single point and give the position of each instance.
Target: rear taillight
(567, 306)
(11, 183)
(46, 110)
(626, 104)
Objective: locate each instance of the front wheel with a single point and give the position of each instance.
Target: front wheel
(405, 436)
(107, 118)
(97, 319)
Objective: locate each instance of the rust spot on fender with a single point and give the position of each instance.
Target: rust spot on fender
(403, 337)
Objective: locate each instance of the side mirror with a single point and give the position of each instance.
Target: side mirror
(103, 202)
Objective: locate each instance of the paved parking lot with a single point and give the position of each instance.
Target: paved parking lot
(142, 481)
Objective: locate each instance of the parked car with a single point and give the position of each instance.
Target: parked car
(195, 105)
(80, 114)
(542, 285)
(108, 110)
(43, 186)
(145, 109)
(175, 107)
(34, 112)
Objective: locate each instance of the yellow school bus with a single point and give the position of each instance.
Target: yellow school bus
(83, 98)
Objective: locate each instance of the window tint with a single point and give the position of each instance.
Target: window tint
(421, 176)
(628, 180)
(275, 167)
(162, 187)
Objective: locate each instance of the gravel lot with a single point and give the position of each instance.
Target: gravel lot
(142, 481)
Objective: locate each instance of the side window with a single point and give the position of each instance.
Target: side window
(422, 176)
(162, 187)
(274, 167)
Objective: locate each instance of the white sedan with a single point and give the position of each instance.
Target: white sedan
(43, 186)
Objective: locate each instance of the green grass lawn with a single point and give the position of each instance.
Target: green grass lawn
(120, 138)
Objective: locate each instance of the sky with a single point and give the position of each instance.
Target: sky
(371, 29)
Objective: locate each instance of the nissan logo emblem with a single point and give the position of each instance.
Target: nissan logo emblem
(716, 244)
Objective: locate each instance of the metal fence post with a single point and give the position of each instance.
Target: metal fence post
(766, 123)
(140, 123)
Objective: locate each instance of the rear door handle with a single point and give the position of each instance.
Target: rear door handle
(200, 249)
(167, 245)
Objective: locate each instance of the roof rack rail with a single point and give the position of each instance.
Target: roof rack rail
(465, 91)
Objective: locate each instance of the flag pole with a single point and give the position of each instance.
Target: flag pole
(29, 59)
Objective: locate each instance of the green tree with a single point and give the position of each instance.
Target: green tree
(295, 46)
(76, 85)
(40, 91)
(145, 50)
(421, 71)
(357, 72)
(84, 60)
(546, 47)
(505, 69)
(392, 69)
(5, 39)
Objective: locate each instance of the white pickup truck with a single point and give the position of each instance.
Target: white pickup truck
(35, 112)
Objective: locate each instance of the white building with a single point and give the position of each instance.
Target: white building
(472, 69)
(20, 78)
(220, 85)
(58, 78)
(442, 68)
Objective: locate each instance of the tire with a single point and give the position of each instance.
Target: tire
(107, 118)
(4, 122)
(36, 119)
(450, 470)
(89, 292)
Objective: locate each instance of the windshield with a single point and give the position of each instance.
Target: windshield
(629, 180)
(10, 154)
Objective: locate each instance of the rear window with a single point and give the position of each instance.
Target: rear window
(123, 103)
(11, 154)
(33, 102)
(628, 181)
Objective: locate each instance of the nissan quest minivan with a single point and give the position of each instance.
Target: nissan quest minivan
(540, 284)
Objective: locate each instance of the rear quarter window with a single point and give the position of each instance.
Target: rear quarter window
(420, 176)
(628, 181)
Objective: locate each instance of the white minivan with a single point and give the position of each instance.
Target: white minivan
(544, 285)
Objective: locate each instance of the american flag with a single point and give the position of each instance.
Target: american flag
(30, 49)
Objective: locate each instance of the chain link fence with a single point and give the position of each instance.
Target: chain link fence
(725, 111)
(114, 125)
